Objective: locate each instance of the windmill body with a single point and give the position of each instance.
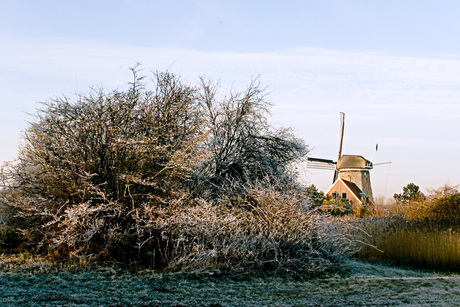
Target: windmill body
(356, 169)
(351, 179)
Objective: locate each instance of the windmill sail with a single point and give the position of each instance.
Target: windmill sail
(317, 163)
(342, 127)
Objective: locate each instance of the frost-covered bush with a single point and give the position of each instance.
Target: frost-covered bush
(89, 164)
(267, 231)
(246, 148)
(167, 175)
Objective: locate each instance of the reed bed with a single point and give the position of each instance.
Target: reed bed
(425, 243)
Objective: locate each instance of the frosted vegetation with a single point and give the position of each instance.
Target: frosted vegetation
(33, 281)
(118, 195)
(167, 176)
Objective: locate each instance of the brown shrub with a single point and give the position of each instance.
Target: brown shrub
(446, 207)
(440, 204)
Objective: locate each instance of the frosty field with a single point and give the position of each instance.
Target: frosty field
(35, 283)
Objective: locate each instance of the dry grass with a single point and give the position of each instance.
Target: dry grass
(423, 232)
(25, 262)
(422, 243)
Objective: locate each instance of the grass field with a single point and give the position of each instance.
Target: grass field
(34, 282)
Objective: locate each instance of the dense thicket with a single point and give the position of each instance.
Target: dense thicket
(164, 174)
(91, 168)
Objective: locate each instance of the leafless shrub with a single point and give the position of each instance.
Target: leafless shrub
(267, 231)
(246, 149)
(445, 204)
(170, 177)
(87, 165)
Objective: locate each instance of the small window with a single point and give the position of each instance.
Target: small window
(344, 195)
(335, 195)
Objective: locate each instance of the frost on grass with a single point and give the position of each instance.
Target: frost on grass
(366, 285)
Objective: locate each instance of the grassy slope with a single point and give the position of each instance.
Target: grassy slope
(35, 282)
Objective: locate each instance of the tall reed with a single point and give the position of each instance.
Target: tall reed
(423, 243)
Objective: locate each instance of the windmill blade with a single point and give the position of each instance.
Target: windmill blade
(381, 163)
(321, 166)
(317, 163)
(342, 128)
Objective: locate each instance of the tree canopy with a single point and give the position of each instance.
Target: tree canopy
(411, 192)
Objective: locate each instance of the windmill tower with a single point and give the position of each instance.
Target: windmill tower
(356, 169)
(351, 179)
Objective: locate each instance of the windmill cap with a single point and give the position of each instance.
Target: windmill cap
(353, 162)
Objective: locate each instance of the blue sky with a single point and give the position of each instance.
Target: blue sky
(392, 66)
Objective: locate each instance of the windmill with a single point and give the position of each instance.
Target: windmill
(351, 178)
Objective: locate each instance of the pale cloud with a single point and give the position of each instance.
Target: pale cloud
(407, 104)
